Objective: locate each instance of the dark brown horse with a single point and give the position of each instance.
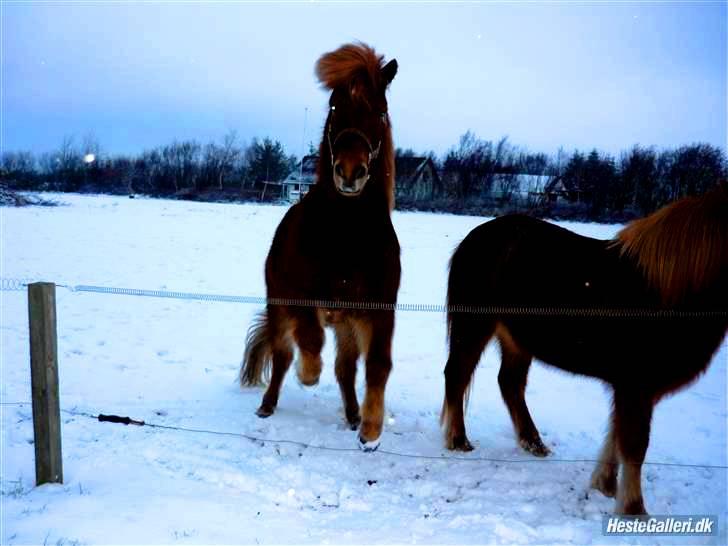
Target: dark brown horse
(338, 244)
(673, 264)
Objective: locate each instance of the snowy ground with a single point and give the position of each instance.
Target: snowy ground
(175, 362)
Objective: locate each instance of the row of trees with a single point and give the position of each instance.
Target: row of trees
(641, 179)
(182, 166)
(592, 185)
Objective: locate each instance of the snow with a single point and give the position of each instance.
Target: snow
(173, 362)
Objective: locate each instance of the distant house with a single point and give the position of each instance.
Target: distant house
(523, 187)
(560, 189)
(416, 177)
(299, 181)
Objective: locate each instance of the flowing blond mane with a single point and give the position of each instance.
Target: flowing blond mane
(682, 248)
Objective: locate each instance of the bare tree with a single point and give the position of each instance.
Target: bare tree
(220, 159)
(18, 169)
(18, 162)
(181, 159)
(68, 157)
(64, 166)
(91, 146)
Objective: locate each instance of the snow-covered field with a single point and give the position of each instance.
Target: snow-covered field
(175, 362)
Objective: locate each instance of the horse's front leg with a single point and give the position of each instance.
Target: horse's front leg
(632, 419)
(376, 332)
(347, 354)
(309, 336)
(604, 477)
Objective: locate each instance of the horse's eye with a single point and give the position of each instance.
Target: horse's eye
(383, 116)
(333, 108)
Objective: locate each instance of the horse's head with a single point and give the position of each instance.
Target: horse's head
(357, 141)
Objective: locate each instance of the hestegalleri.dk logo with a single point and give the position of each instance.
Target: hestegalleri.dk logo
(696, 525)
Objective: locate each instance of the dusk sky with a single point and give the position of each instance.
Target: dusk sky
(138, 75)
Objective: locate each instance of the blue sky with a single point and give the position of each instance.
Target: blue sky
(138, 75)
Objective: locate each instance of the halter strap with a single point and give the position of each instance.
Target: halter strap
(373, 152)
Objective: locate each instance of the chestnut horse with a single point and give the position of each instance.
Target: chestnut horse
(337, 245)
(673, 264)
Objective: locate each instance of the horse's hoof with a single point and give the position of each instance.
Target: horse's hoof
(631, 508)
(264, 411)
(606, 484)
(460, 443)
(308, 372)
(354, 421)
(369, 446)
(308, 381)
(535, 447)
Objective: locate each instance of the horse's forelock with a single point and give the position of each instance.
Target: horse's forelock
(349, 66)
(682, 248)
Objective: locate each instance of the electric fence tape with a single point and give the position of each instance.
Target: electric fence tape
(491, 310)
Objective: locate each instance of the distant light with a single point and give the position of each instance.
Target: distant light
(89, 158)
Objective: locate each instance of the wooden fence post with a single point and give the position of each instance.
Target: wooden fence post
(44, 382)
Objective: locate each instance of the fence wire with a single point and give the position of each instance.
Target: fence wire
(491, 310)
(263, 441)
(11, 284)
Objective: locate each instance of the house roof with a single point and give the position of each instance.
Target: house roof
(310, 164)
(407, 167)
(558, 185)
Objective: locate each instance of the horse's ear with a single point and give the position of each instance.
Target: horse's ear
(389, 70)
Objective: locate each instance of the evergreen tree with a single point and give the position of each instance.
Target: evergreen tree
(267, 161)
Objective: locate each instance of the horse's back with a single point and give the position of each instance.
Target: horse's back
(517, 259)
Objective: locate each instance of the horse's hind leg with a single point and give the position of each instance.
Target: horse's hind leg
(309, 336)
(633, 415)
(604, 477)
(281, 357)
(512, 379)
(375, 336)
(468, 336)
(347, 354)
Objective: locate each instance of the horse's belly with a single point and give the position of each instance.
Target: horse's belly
(613, 349)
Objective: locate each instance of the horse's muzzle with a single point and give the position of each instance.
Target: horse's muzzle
(350, 178)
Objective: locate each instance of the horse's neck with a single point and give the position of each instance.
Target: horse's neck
(369, 206)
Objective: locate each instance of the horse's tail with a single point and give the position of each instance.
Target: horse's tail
(255, 368)
(457, 299)
(462, 282)
(450, 293)
(470, 289)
